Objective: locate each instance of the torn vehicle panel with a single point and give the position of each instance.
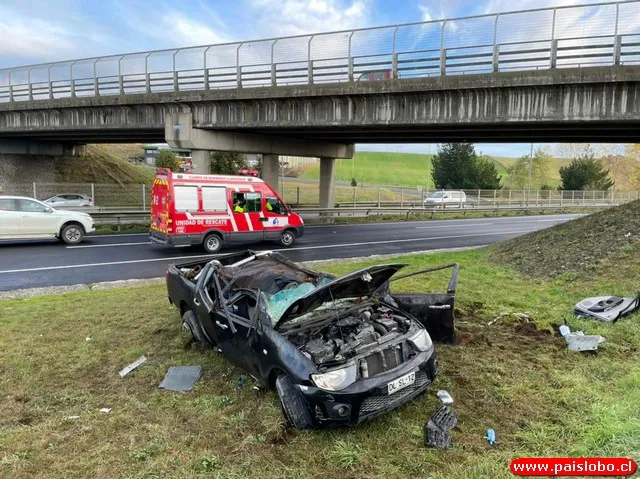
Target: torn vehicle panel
(607, 308)
(337, 350)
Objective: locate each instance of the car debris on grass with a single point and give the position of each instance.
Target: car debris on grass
(607, 308)
(436, 430)
(579, 341)
(130, 367)
(181, 378)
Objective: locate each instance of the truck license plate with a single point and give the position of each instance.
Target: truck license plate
(401, 383)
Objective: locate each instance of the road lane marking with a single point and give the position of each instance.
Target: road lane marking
(301, 248)
(458, 222)
(453, 226)
(106, 245)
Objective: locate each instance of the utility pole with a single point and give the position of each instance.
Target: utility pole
(530, 168)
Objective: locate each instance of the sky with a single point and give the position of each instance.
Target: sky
(37, 31)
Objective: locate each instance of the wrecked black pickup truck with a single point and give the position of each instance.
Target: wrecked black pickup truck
(337, 350)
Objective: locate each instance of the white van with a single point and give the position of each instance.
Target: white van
(27, 218)
(445, 199)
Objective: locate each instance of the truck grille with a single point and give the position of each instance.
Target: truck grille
(381, 402)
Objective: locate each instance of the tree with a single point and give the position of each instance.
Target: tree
(585, 173)
(540, 165)
(168, 159)
(486, 174)
(456, 166)
(227, 162)
(452, 165)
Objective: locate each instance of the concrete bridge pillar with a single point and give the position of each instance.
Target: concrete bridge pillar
(327, 181)
(202, 161)
(271, 171)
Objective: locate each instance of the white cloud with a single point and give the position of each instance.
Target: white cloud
(184, 31)
(297, 17)
(31, 36)
(426, 15)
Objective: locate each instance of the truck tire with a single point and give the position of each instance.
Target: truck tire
(191, 325)
(212, 243)
(72, 233)
(287, 238)
(294, 407)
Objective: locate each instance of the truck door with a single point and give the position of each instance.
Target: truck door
(276, 216)
(247, 214)
(235, 336)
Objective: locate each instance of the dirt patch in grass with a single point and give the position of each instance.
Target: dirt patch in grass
(582, 246)
(530, 330)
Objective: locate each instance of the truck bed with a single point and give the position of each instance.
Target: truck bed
(182, 278)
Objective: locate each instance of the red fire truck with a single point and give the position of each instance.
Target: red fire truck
(216, 210)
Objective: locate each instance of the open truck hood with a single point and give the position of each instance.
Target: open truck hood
(360, 283)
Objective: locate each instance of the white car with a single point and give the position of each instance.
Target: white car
(27, 218)
(445, 199)
(68, 200)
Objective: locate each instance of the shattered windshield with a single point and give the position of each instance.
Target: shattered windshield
(279, 302)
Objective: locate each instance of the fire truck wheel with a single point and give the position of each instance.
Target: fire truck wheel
(212, 243)
(287, 238)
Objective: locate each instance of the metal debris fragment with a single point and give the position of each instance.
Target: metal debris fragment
(127, 369)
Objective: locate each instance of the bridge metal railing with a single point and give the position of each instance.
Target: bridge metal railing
(595, 34)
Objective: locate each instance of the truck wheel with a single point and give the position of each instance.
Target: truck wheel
(212, 243)
(294, 407)
(72, 234)
(191, 325)
(287, 238)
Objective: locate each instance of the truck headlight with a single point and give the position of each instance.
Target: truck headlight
(421, 340)
(336, 380)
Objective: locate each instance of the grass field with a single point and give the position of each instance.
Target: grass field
(381, 168)
(308, 193)
(516, 377)
(389, 168)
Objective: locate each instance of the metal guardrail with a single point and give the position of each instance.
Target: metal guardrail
(595, 34)
(142, 217)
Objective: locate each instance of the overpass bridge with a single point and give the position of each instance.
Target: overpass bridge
(558, 74)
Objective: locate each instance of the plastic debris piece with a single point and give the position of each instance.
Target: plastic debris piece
(607, 308)
(445, 397)
(127, 369)
(491, 437)
(446, 418)
(181, 378)
(434, 436)
(87, 339)
(72, 417)
(578, 341)
(582, 342)
(436, 431)
(240, 383)
(105, 410)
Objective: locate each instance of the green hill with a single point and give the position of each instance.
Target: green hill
(103, 164)
(387, 168)
(380, 168)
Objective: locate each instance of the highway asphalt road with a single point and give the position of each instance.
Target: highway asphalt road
(110, 258)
